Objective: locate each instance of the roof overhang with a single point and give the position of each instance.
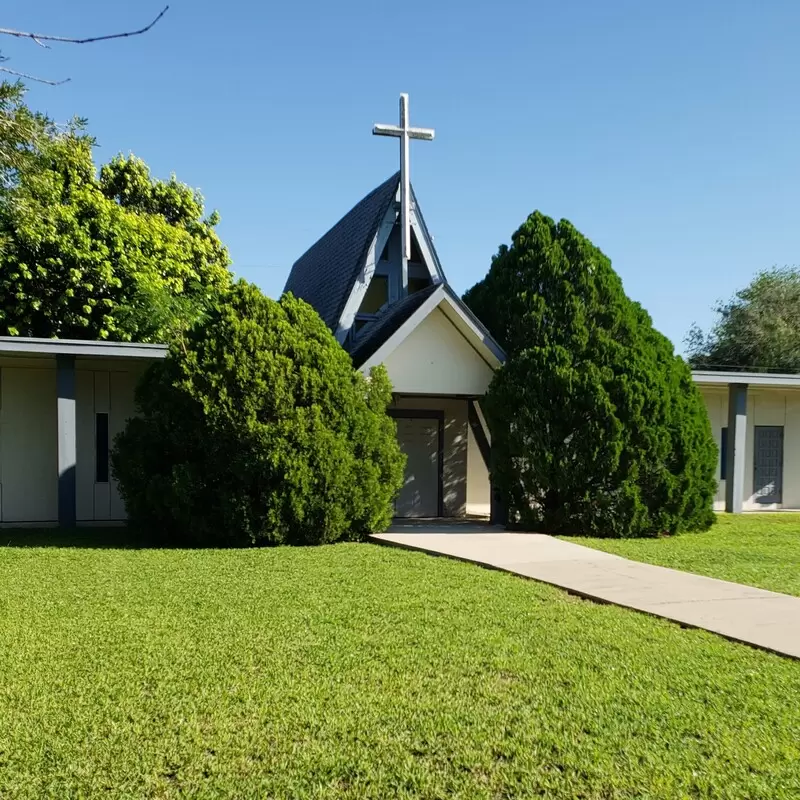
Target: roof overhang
(765, 379)
(448, 302)
(23, 346)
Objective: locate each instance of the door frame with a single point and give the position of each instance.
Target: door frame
(418, 413)
(768, 500)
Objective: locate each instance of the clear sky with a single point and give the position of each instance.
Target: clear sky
(666, 132)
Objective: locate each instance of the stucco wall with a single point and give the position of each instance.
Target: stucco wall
(436, 359)
(764, 407)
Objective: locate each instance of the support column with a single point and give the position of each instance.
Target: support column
(67, 448)
(737, 441)
(498, 513)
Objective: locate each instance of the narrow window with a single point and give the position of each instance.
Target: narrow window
(723, 454)
(101, 448)
(377, 295)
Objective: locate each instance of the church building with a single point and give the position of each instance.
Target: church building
(376, 280)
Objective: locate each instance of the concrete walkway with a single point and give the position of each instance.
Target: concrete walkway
(742, 613)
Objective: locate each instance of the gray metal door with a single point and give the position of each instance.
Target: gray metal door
(419, 440)
(768, 464)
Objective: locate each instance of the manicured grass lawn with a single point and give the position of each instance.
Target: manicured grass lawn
(356, 671)
(757, 549)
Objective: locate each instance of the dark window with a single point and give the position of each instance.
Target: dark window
(417, 284)
(723, 454)
(377, 295)
(101, 448)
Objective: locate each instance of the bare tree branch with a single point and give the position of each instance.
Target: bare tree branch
(32, 77)
(41, 37)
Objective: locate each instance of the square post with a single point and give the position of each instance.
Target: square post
(67, 447)
(498, 513)
(737, 442)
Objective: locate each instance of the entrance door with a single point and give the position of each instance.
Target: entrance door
(419, 440)
(768, 464)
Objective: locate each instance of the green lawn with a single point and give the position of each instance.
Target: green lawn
(358, 671)
(757, 549)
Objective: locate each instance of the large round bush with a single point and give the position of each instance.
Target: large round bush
(597, 427)
(256, 429)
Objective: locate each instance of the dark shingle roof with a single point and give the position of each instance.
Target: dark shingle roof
(377, 332)
(325, 275)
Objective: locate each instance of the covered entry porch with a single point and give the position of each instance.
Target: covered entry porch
(446, 443)
(440, 361)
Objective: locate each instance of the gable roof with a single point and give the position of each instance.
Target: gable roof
(387, 331)
(324, 275)
(380, 330)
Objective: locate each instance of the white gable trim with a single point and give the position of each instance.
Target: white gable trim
(430, 261)
(442, 297)
(365, 276)
(426, 247)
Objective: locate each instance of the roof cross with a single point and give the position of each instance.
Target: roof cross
(405, 133)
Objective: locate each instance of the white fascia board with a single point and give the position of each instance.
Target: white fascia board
(24, 346)
(765, 379)
(452, 308)
(426, 247)
(469, 325)
(358, 291)
(403, 332)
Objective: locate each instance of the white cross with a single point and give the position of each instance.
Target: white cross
(405, 134)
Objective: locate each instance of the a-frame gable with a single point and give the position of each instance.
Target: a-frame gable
(383, 259)
(323, 276)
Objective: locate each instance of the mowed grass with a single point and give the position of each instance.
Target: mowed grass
(757, 549)
(358, 671)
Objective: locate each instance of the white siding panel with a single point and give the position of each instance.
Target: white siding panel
(28, 445)
(122, 387)
(717, 407)
(84, 422)
(791, 452)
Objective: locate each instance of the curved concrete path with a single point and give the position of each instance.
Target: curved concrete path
(754, 616)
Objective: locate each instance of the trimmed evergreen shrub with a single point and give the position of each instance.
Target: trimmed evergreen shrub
(597, 425)
(256, 429)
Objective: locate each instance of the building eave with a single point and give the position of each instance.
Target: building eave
(765, 379)
(25, 346)
(458, 313)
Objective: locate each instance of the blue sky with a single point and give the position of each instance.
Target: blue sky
(668, 133)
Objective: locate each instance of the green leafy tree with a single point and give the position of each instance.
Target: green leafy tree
(19, 128)
(758, 329)
(597, 426)
(118, 255)
(257, 430)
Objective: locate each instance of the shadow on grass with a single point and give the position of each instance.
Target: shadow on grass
(117, 538)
